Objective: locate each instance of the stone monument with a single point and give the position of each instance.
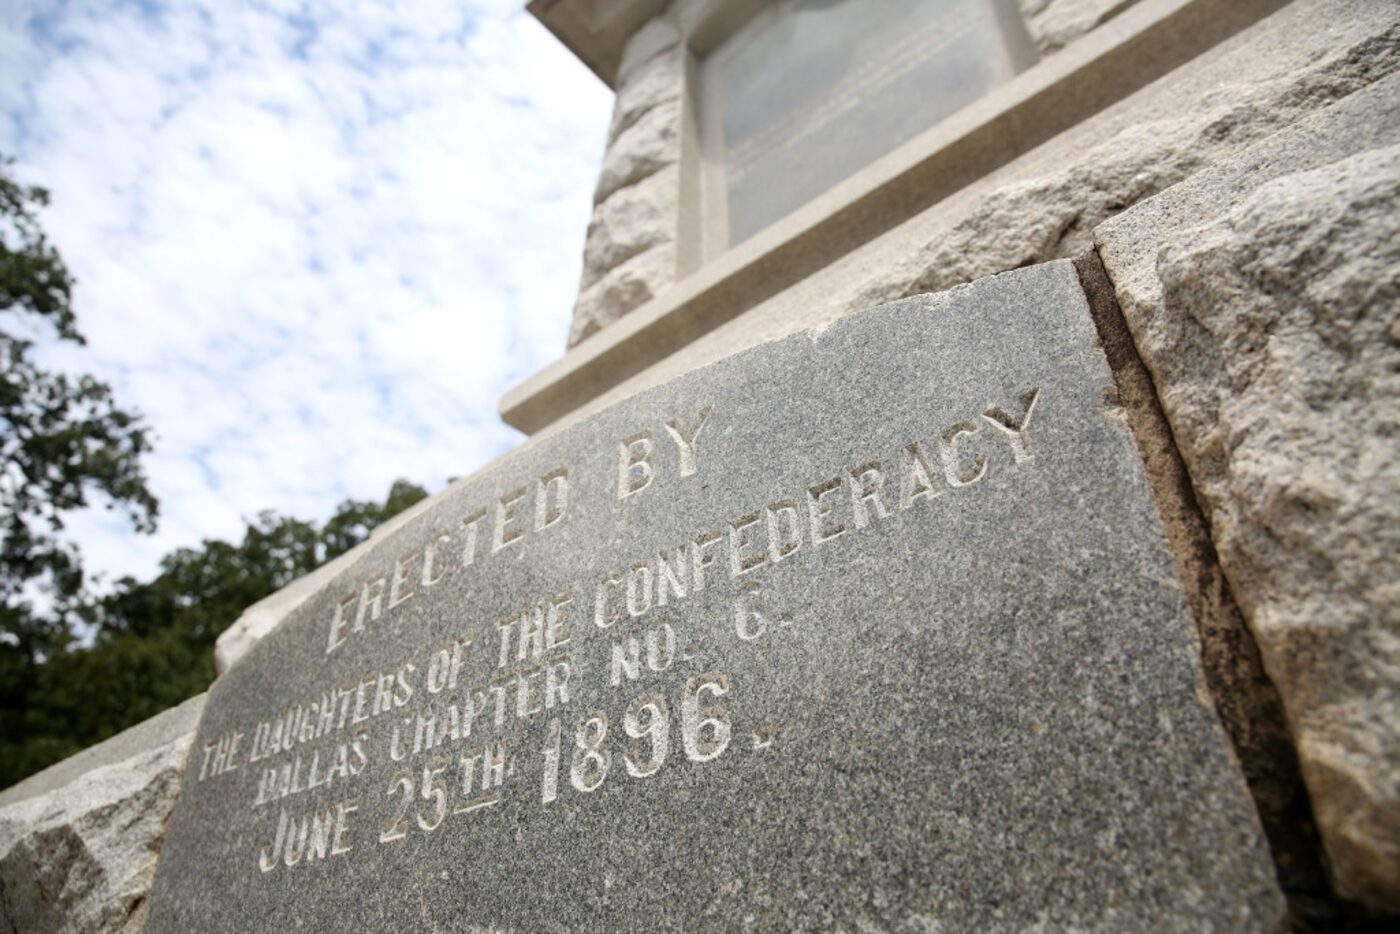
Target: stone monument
(968, 501)
(870, 626)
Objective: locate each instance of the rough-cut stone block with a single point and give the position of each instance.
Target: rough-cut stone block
(659, 81)
(642, 149)
(629, 254)
(632, 221)
(1264, 295)
(1054, 24)
(871, 628)
(622, 288)
(79, 841)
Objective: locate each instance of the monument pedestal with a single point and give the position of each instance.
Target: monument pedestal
(872, 626)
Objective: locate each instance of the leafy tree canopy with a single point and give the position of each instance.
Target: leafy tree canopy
(66, 445)
(154, 645)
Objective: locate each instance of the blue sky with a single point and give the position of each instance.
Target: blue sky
(315, 242)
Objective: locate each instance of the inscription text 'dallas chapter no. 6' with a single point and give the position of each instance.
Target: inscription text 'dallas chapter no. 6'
(532, 648)
(831, 586)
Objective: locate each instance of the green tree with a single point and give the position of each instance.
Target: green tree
(355, 519)
(65, 445)
(155, 639)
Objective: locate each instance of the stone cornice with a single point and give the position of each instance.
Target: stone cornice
(595, 30)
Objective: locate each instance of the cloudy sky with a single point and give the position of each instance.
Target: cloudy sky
(314, 241)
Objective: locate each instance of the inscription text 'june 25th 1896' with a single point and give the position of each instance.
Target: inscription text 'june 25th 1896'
(451, 739)
(868, 627)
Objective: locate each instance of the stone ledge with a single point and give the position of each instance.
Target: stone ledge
(79, 841)
(1140, 45)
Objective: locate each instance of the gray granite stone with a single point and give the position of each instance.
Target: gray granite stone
(1264, 295)
(924, 664)
(79, 841)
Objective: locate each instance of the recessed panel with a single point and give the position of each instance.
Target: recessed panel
(810, 91)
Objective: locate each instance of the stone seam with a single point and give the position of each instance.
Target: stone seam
(1237, 685)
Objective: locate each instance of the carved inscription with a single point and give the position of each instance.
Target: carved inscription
(529, 509)
(497, 713)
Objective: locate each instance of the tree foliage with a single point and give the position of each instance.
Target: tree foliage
(63, 440)
(66, 445)
(154, 644)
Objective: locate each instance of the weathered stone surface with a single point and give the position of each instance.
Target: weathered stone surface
(652, 81)
(640, 151)
(1052, 213)
(631, 221)
(869, 628)
(636, 201)
(1054, 24)
(1045, 204)
(79, 841)
(644, 135)
(1264, 295)
(623, 288)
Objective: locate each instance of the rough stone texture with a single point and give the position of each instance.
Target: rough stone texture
(979, 708)
(630, 251)
(623, 288)
(644, 148)
(644, 151)
(632, 220)
(1054, 24)
(79, 841)
(1245, 698)
(1045, 205)
(1265, 297)
(1054, 213)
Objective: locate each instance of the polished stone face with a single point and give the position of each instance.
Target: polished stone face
(806, 94)
(867, 627)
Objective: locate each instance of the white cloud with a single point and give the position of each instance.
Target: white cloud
(315, 242)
